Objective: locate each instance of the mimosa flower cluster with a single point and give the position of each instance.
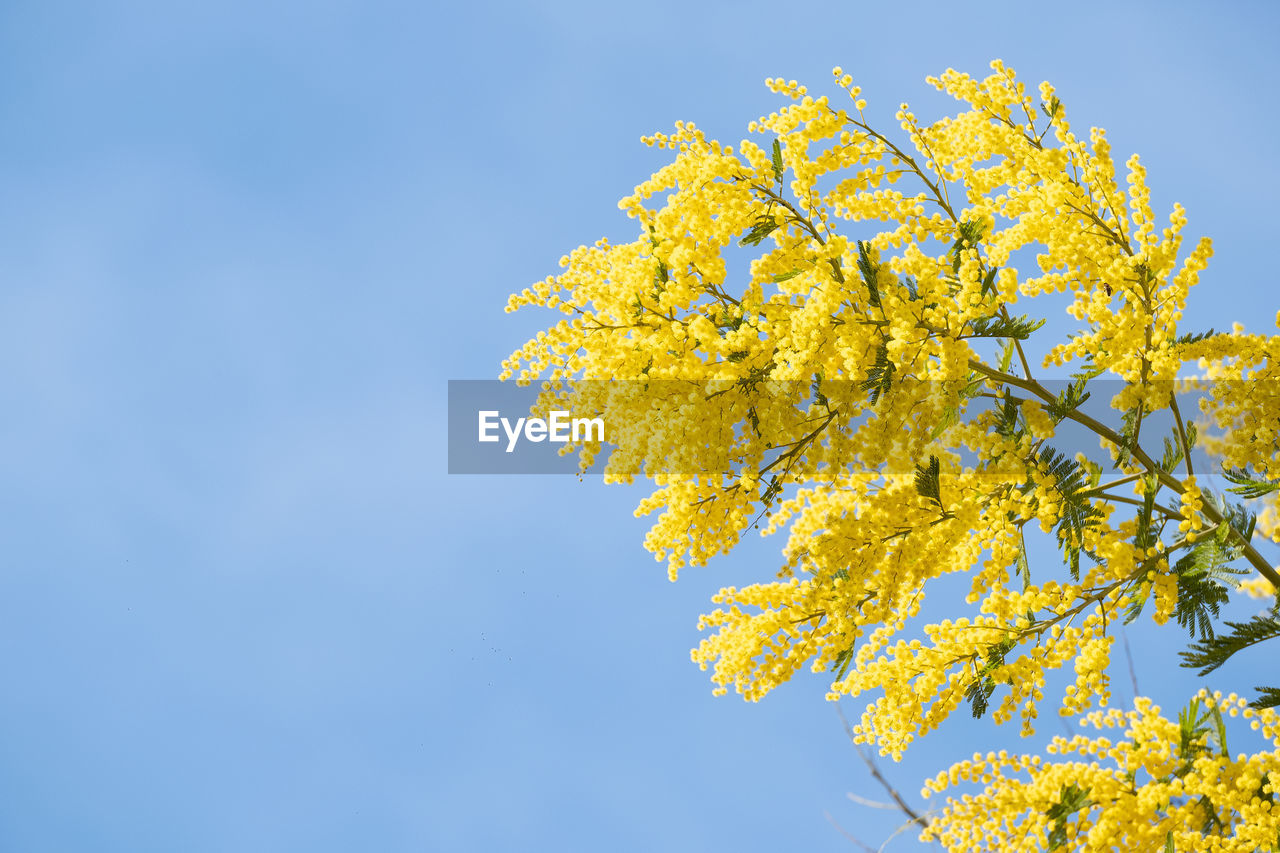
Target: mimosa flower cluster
(813, 331)
(1163, 784)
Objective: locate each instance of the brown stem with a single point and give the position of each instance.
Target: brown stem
(1250, 553)
(915, 816)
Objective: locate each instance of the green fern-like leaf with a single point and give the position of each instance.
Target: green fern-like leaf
(1088, 370)
(815, 390)
(1019, 328)
(1071, 799)
(1024, 566)
(870, 271)
(1128, 427)
(971, 232)
(1148, 532)
(1268, 697)
(1008, 418)
(1239, 518)
(928, 482)
(1204, 580)
(1213, 651)
(1172, 455)
(842, 663)
(1137, 600)
(880, 376)
(983, 686)
(764, 225)
(1069, 400)
(1249, 485)
(1212, 822)
(1192, 338)
(1193, 734)
(1075, 513)
(913, 290)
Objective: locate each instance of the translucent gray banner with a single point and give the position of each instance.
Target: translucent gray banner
(674, 427)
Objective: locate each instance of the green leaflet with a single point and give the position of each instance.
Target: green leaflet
(1129, 426)
(869, 271)
(1024, 568)
(1248, 484)
(989, 282)
(928, 482)
(1193, 338)
(1203, 583)
(1070, 800)
(842, 662)
(950, 416)
(1068, 401)
(880, 376)
(971, 232)
(1019, 328)
(1268, 697)
(1213, 651)
(1076, 512)
(1006, 356)
(983, 686)
(762, 227)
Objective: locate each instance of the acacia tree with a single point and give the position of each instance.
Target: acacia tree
(857, 376)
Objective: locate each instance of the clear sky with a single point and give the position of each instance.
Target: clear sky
(244, 245)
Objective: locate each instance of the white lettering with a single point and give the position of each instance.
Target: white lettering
(559, 426)
(486, 424)
(588, 425)
(513, 435)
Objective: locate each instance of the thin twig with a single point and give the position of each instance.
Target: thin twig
(915, 816)
(1133, 676)
(871, 804)
(1182, 433)
(858, 841)
(1106, 486)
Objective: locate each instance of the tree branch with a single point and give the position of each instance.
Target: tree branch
(911, 813)
(1250, 553)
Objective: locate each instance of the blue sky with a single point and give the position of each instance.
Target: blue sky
(244, 246)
